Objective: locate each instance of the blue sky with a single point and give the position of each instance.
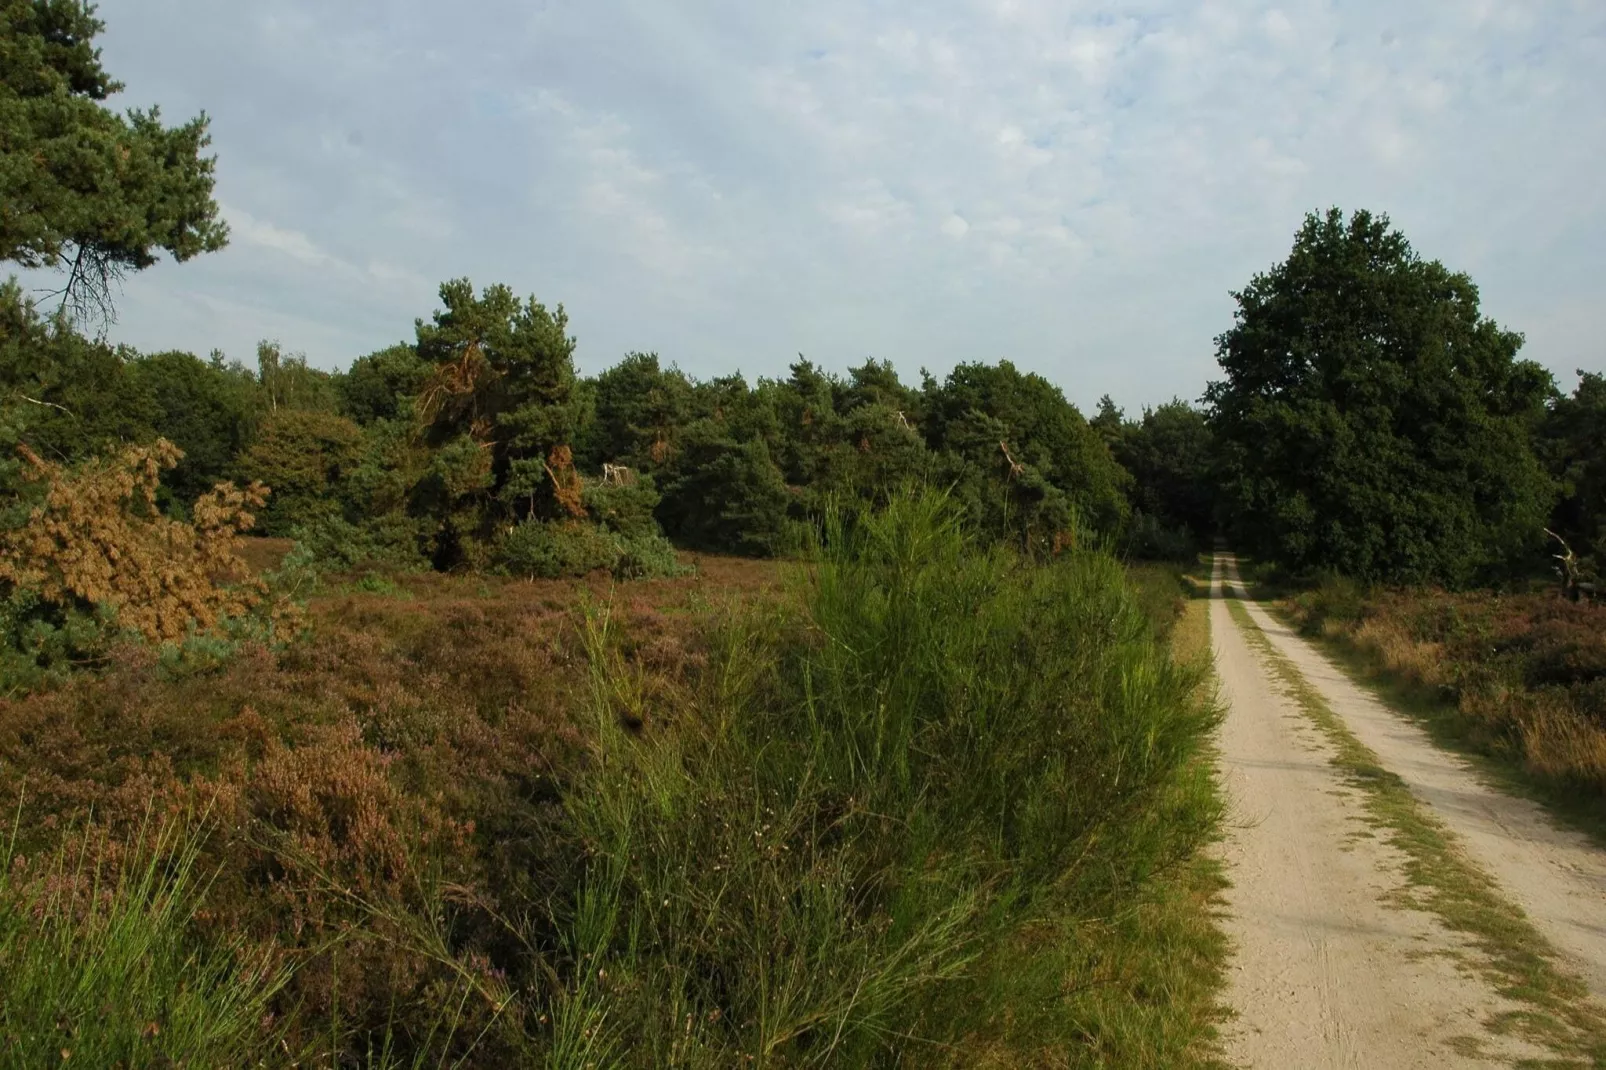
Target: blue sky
(1075, 187)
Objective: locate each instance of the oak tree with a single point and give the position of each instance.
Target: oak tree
(1372, 420)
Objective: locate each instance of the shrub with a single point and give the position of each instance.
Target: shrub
(872, 818)
(1520, 677)
(822, 858)
(392, 542)
(540, 550)
(1149, 539)
(95, 560)
(624, 507)
(647, 556)
(97, 538)
(303, 455)
(40, 644)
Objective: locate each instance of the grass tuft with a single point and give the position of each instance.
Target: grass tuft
(106, 970)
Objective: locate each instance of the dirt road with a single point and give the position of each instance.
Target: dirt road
(1330, 968)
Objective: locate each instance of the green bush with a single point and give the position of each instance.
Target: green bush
(539, 550)
(548, 551)
(626, 508)
(836, 856)
(304, 457)
(1332, 597)
(1147, 538)
(41, 642)
(392, 542)
(647, 556)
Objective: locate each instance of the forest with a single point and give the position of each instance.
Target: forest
(457, 708)
(1427, 453)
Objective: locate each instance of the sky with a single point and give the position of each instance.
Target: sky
(728, 183)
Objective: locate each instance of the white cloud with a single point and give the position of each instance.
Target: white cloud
(1076, 188)
(292, 243)
(1279, 28)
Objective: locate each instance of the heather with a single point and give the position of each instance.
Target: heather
(1517, 676)
(876, 809)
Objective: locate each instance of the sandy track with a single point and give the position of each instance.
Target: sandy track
(1556, 876)
(1324, 973)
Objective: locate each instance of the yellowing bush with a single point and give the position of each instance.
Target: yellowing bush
(98, 538)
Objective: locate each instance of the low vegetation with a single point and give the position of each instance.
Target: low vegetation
(477, 764)
(101, 966)
(1517, 677)
(921, 803)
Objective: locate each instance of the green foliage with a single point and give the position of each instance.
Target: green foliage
(954, 751)
(537, 549)
(647, 556)
(1109, 422)
(1371, 420)
(41, 642)
(1170, 456)
(639, 410)
(391, 542)
(303, 456)
(386, 470)
(626, 507)
(1573, 440)
(82, 186)
(103, 969)
(208, 410)
(381, 386)
(1147, 538)
(846, 444)
(991, 419)
(67, 397)
(1006, 500)
(725, 496)
(502, 375)
(287, 383)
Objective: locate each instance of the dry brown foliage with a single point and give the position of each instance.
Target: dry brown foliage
(566, 486)
(98, 537)
(415, 751)
(453, 380)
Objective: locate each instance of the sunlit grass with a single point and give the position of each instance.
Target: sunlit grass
(106, 970)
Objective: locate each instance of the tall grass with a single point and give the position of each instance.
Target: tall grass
(842, 851)
(107, 972)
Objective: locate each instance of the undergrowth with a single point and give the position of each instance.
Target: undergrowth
(104, 969)
(871, 847)
(921, 804)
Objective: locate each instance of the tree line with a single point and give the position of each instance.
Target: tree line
(444, 448)
(1369, 419)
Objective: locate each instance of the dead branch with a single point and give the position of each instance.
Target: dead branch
(1015, 468)
(45, 404)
